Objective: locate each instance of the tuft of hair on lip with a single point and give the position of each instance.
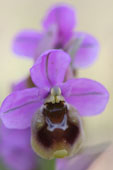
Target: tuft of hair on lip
(57, 131)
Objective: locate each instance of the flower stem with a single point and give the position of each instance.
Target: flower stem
(47, 164)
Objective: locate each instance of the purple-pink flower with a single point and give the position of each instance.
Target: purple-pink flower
(54, 134)
(15, 149)
(58, 33)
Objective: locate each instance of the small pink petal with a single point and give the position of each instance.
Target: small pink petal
(50, 68)
(87, 96)
(19, 107)
(26, 42)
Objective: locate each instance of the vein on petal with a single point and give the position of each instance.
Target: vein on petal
(18, 107)
(86, 94)
(47, 59)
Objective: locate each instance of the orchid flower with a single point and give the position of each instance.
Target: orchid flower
(53, 108)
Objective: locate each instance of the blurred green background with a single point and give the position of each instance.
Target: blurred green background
(95, 17)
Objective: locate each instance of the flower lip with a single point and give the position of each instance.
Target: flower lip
(56, 127)
(58, 131)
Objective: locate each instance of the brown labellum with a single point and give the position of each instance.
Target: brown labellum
(56, 128)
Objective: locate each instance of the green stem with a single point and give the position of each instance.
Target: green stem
(47, 164)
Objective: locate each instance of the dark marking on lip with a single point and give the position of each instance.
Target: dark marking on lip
(49, 139)
(57, 113)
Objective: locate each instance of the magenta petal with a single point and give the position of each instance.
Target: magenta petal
(50, 68)
(87, 52)
(18, 108)
(26, 42)
(64, 18)
(89, 97)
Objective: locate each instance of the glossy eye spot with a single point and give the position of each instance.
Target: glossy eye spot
(52, 126)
